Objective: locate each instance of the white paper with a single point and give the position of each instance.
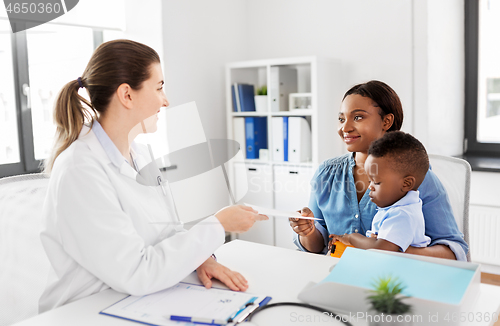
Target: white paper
(277, 213)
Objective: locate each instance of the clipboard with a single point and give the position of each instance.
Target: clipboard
(191, 303)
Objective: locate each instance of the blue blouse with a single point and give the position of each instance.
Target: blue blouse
(334, 201)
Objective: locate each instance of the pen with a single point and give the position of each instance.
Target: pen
(248, 303)
(199, 320)
(252, 309)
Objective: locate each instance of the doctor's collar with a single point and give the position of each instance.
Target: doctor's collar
(109, 147)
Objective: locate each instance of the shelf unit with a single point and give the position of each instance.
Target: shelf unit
(320, 78)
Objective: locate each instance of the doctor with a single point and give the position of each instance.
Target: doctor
(97, 229)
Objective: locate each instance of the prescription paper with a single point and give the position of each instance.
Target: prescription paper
(277, 213)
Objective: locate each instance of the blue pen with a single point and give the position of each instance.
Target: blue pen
(199, 320)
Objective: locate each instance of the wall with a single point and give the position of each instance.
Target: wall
(415, 46)
(200, 37)
(372, 39)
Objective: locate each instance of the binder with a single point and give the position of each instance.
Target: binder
(299, 140)
(239, 132)
(256, 136)
(285, 138)
(236, 98)
(283, 82)
(233, 96)
(280, 139)
(189, 303)
(246, 95)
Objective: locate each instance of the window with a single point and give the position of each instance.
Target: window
(9, 142)
(482, 69)
(35, 65)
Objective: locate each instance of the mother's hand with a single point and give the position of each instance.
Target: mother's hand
(212, 269)
(303, 227)
(309, 236)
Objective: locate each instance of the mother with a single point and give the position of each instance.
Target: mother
(339, 196)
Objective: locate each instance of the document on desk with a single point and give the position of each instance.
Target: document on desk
(185, 300)
(278, 213)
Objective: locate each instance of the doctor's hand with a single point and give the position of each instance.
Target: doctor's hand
(238, 218)
(212, 269)
(303, 227)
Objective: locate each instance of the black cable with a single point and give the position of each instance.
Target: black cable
(331, 314)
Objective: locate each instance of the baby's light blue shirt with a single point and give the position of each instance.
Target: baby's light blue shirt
(402, 223)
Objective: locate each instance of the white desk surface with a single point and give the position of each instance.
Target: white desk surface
(276, 272)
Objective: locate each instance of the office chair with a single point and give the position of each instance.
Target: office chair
(24, 266)
(454, 174)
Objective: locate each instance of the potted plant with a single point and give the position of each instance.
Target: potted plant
(386, 302)
(261, 99)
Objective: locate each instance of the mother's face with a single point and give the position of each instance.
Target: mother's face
(360, 122)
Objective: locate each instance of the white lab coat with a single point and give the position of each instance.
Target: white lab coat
(97, 232)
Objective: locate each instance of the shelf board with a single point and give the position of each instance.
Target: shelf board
(294, 113)
(250, 114)
(257, 161)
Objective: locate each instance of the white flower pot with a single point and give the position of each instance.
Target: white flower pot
(261, 103)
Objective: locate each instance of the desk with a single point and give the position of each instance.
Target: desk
(277, 272)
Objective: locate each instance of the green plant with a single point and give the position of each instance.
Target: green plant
(262, 90)
(386, 297)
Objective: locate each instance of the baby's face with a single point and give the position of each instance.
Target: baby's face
(386, 185)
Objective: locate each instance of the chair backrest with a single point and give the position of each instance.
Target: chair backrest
(454, 173)
(24, 266)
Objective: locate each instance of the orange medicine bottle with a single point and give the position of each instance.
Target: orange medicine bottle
(338, 249)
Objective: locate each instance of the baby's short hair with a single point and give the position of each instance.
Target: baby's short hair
(407, 154)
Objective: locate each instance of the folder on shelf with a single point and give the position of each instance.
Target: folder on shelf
(235, 97)
(256, 135)
(247, 97)
(283, 82)
(239, 132)
(188, 303)
(280, 139)
(285, 138)
(299, 140)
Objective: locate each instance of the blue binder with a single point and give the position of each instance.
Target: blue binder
(247, 100)
(285, 138)
(256, 136)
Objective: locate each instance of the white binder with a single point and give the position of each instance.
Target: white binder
(278, 143)
(239, 133)
(283, 82)
(299, 140)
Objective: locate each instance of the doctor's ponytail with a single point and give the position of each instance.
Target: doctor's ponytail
(112, 64)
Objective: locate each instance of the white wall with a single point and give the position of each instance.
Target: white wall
(415, 46)
(199, 38)
(372, 39)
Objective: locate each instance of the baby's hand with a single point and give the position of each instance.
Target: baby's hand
(342, 238)
(373, 235)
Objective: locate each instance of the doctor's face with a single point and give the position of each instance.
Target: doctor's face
(150, 99)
